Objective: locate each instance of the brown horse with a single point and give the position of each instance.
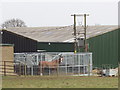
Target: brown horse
(49, 64)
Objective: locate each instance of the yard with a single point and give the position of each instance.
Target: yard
(59, 82)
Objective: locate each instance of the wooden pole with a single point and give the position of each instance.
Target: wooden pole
(75, 41)
(75, 36)
(85, 32)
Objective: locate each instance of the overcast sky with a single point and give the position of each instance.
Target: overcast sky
(37, 14)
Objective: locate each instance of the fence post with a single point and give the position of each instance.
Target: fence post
(32, 70)
(89, 66)
(19, 69)
(49, 70)
(79, 64)
(58, 69)
(66, 65)
(39, 69)
(4, 68)
(41, 72)
(25, 69)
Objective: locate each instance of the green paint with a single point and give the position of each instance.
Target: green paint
(105, 49)
(119, 45)
(55, 46)
(6, 44)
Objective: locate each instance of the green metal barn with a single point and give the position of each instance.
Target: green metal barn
(102, 40)
(104, 48)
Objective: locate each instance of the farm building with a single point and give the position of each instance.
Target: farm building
(102, 40)
(24, 43)
(6, 55)
(21, 43)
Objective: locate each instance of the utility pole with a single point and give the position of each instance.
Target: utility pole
(75, 36)
(85, 31)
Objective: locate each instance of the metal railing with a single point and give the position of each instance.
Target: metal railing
(73, 64)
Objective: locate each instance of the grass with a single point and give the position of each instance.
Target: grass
(59, 82)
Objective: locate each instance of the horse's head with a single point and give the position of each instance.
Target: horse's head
(60, 59)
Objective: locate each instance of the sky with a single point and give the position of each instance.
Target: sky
(36, 13)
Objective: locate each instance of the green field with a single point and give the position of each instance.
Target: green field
(59, 82)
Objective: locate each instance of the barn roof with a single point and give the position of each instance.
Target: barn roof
(60, 34)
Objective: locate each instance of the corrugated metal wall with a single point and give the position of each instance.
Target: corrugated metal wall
(104, 48)
(55, 46)
(119, 44)
(21, 43)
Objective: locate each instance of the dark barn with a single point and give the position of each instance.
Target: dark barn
(21, 43)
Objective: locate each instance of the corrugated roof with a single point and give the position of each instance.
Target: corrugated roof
(60, 34)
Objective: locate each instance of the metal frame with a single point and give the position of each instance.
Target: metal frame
(73, 64)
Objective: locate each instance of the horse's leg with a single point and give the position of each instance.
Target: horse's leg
(57, 70)
(41, 71)
(38, 69)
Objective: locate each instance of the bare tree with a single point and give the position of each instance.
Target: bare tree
(13, 23)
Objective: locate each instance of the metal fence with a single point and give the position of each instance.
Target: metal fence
(72, 64)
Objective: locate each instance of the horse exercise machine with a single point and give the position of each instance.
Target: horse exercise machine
(53, 63)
